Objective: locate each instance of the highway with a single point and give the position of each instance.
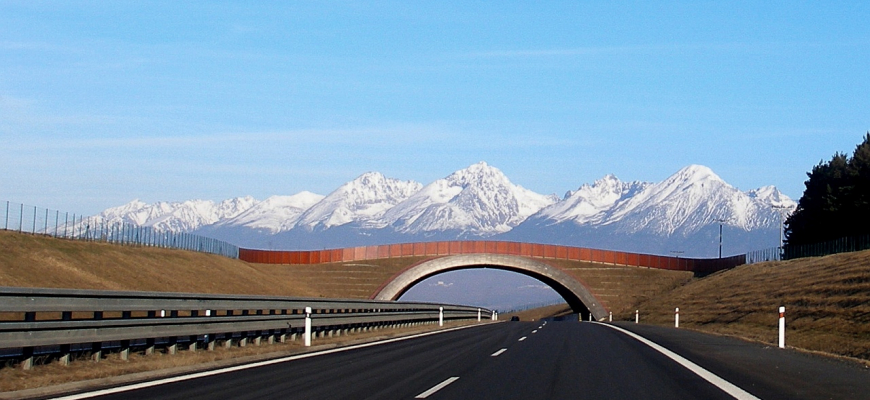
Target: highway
(532, 360)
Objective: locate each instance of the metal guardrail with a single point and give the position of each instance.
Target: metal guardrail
(64, 321)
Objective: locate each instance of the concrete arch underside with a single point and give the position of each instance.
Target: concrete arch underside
(575, 293)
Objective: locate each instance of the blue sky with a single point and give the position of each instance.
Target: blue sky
(102, 102)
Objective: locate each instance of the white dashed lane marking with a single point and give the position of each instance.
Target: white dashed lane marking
(498, 353)
(436, 388)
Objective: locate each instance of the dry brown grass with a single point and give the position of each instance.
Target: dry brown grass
(827, 303)
(619, 287)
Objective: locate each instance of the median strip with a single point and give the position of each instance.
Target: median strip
(436, 388)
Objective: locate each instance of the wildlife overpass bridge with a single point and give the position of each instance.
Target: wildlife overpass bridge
(590, 280)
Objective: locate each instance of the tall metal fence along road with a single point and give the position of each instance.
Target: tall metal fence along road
(42, 221)
(58, 323)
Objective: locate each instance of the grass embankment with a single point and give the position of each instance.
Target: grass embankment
(827, 303)
(38, 261)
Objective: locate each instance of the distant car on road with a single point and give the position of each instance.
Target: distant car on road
(515, 318)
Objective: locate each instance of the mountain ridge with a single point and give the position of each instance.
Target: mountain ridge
(678, 214)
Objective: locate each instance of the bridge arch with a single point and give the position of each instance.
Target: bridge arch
(575, 293)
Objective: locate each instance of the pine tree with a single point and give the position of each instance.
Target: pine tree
(836, 201)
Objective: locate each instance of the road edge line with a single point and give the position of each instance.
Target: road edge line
(708, 376)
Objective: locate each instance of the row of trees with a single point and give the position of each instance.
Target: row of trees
(836, 201)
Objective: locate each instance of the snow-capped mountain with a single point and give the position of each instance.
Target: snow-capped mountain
(275, 214)
(680, 214)
(361, 199)
(478, 201)
(183, 216)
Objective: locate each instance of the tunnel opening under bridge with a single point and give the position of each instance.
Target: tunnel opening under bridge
(575, 293)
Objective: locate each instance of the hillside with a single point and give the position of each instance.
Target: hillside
(39, 261)
(827, 303)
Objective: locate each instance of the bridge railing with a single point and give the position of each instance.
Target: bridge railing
(544, 251)
(61, 322)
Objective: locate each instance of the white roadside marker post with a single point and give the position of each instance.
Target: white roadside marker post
(307, 326)
(636, 316)
(440, 316)
(677, 317)
(782, 327)
(478, 315)
(610, 317)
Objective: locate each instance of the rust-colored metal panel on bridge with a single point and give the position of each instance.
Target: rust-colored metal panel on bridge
(533, 250)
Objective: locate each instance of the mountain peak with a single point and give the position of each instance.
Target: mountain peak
(368, 195)
(696, 174)
(478, 200)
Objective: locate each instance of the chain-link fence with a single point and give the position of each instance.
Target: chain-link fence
(771, 254)
(42, 221)
(842, 245)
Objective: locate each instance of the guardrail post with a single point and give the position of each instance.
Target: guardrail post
(782, 327)
(27, 360)
(98, 351)
(149, 347)
(64, 355)
(677, 317)
(125, 350)
(440, 316)
(307, 335)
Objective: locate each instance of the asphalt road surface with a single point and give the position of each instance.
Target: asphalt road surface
(533, 360)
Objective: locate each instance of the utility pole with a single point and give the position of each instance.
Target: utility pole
(721, 221)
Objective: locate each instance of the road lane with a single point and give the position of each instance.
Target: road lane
(579, 360)
(561, 360)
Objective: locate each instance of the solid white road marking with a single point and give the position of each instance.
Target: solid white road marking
(437, 388)
(521, 339)
(498, 353)
(143, 385)
(726, 386)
